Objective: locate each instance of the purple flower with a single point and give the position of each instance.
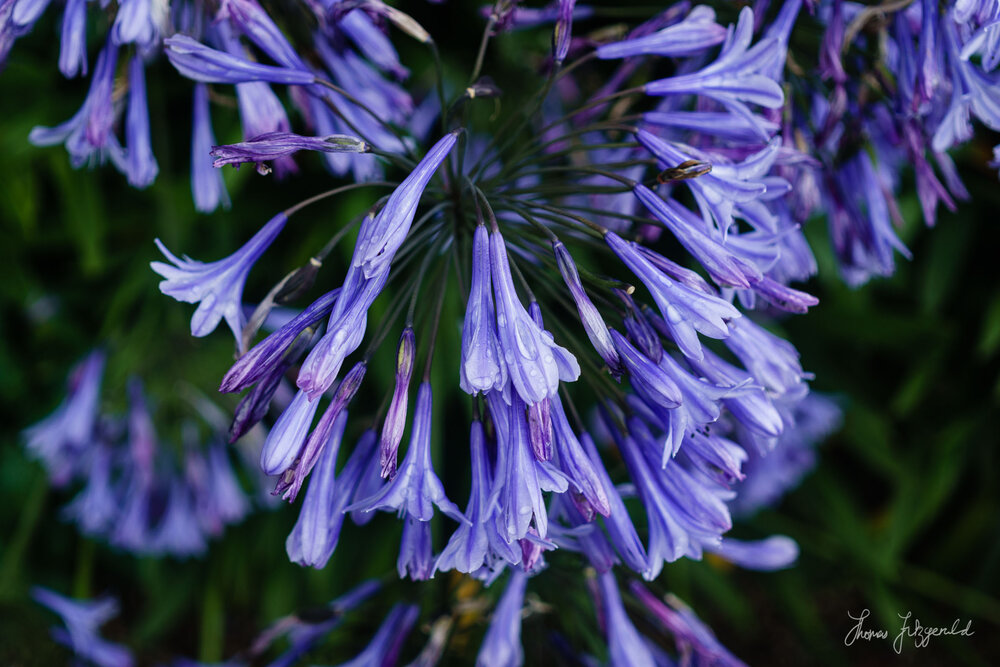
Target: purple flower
(625, 645)
(385, 645)
(517, 486)
(473, 545)
(367, 480)
(581, 534)
(294, 476)
(481, 367)
(693, 637)
(720, 192)
(26, 12)
(268, 354)
(249, 18)
(684, 513)
(262, 113)
(573, 461)
(82, 619)
(720, 124)
(216, 286)
(59, 439)
(860, 225)
(697, 32)
(377, 247)
(769, 477)
(685, 310)
(378, 241)
(73, 44)
(416, 555)
(206, 182)
(136, 23)
(95, 508)
(132, 530)
(501, 646)
(716, 457)
(775, 553)
(288, 434)
(618, 523)
(226, 498)
(395, 419)
(751, 405)
(255, 404)
(736, 75)
(648, 379)
(315, 534)
(274, 145)
(178, 533)
(87, 134)
(534, 362)
(700, 405)
(345, 329)
(201, 63)
(317, 531)
(140, 165)
(564, 30)
(773, 362)
(593, 323)
(415, 489)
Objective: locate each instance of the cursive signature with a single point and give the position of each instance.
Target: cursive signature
(922, 635)
(860, 632)
(911, 629)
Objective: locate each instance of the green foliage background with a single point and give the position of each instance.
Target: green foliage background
(901, 514)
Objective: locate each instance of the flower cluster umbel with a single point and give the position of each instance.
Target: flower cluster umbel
(542, 225)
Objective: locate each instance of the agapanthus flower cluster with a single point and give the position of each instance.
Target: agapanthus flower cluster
(136, 494)
(619, 251)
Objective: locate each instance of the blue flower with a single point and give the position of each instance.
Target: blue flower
(261, 360)
(685, 310)
(693, 637)
(140, 166)
(476, 544)
(315, 534)
(736, 76)
(573, 461)
(94, 509)
(135, 22)
(590, 317)
(416, 555)
(274, 145)
(294, 476)
(201, 63)
(626, 646)
(774, 553)
(217, 286)
(395, 419)
(385, 645)
(535, 364)
(501, 646)
(416, 489)
(286, 437)
(383, 237)
(82, 620)
(696, 33)
(207, 187)
(178, 533)
(60, 439)
(87, 134)
(518, 486)
(73, 43)
(482, 368)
